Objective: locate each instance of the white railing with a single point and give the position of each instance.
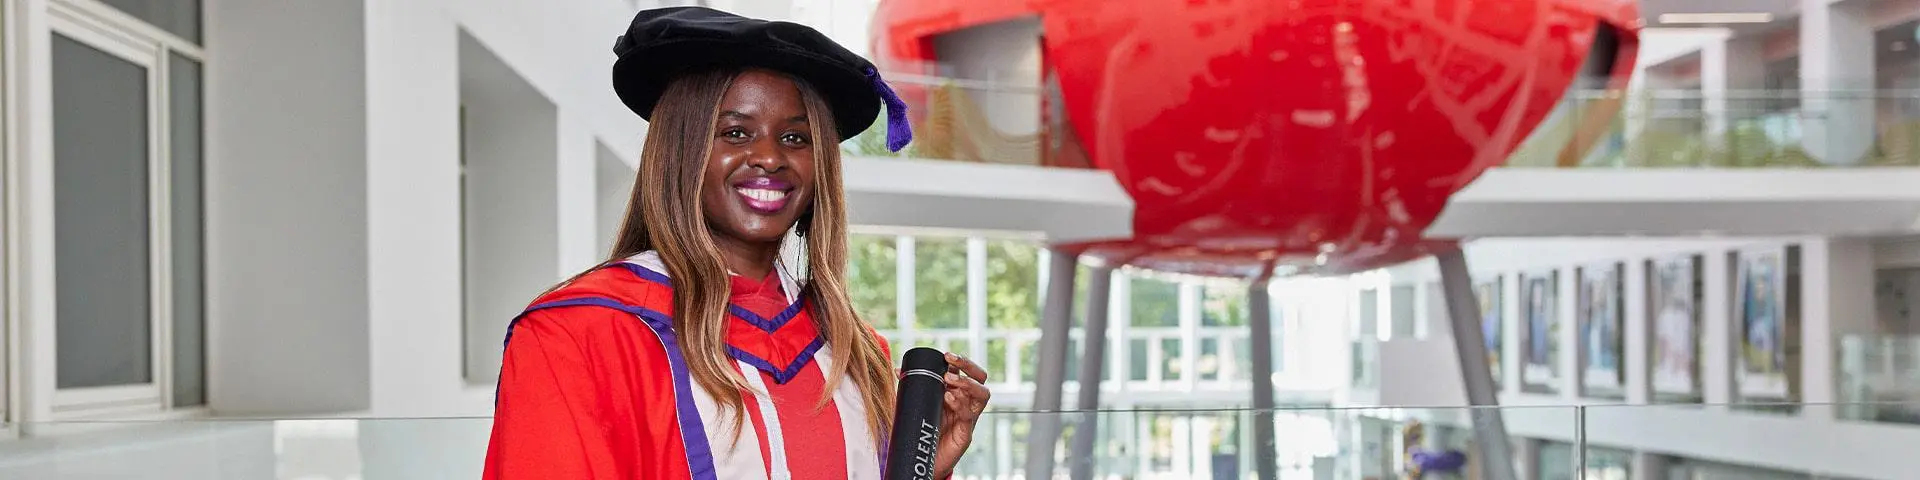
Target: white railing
(1154, 361)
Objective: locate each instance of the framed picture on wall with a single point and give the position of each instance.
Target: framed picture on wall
(1540, 332)
(1599, 305)
(1766, 323)
(1492, 325)
(1673, 312)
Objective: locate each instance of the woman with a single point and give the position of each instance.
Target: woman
(696, 352)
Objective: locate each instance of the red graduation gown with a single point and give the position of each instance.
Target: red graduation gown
(593, 386)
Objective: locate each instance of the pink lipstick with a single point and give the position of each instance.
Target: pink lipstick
(763, 194)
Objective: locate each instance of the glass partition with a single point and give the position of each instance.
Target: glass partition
(1688, 128)
(1544, 442)
(963, 119)
(995, 117)
(1880, 378)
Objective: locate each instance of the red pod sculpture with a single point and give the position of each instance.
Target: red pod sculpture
(1321, 134)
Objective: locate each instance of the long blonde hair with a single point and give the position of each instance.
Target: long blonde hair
(664, 215)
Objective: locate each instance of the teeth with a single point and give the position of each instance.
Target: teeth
(761, 194)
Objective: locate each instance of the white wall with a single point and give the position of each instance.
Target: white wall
(848, 22)
(413, 94)
(286, 203)
(613, 187)
(1001, 53)
(1835, 300)
(511, 198)
(388, 339)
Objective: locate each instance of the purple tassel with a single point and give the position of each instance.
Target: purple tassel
(1445, 461)
(899, 132)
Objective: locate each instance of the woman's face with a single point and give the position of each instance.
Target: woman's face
(759, 171)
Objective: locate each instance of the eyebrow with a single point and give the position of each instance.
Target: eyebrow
(742, 116)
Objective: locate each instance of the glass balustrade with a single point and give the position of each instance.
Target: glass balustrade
(1600, 442)
(1682, 128)
(1880, 378)
(1149, 360)
(982, 117)
(1012, 118)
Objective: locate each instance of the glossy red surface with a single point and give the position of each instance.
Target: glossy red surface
(1323, 134)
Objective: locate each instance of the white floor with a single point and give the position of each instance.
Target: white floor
(422, 449)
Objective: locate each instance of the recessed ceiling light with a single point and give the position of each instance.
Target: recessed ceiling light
(1715, 18)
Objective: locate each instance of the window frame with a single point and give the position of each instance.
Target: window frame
(104, 28)
(9, 307)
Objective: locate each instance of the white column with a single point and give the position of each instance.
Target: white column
(1513, 347)
(613, 182)
(312, 192)
(1716, 328)
(1836, 72)
(1003, 442)
(1189, 335)
(976, 299)
(1836, 300)
(575, 164)
(1730, 66)
(1568, 287)
(1120, 315)
(1636, 331)
(903, 276)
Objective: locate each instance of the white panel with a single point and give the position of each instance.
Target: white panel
(1509, 202)
(613, 185)
(576, 206)
(1063, 204)
(413, 185)
(1833, 39)
(288, 199)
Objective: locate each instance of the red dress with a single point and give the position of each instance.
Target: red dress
(593, 386)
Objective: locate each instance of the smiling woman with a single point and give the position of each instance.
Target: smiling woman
(760, 168)
(695, 351)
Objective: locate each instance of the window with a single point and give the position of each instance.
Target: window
(128, 259)
(1155, 305)
(509, 144)
(873, 279)
(1223, 306)
(1013, 298)
(178, 17)
(940, 283)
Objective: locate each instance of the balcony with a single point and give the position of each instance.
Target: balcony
(1677, 163)
(1646, 162)
(1661, 128)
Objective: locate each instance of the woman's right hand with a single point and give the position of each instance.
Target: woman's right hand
(966, 399)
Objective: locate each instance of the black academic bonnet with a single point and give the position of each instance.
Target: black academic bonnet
(664, 43)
